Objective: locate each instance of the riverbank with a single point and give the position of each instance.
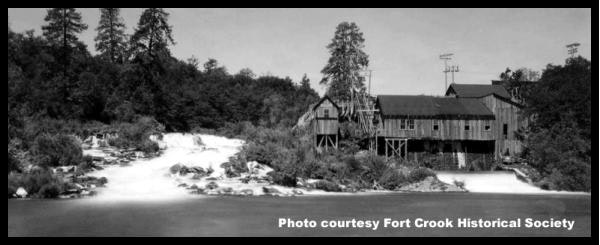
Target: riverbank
(258, 216)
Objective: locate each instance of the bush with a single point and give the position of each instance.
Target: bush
(50, 190)
(284, 179)
(87, 163)
(137, 135)
(420, 174)
(56, 150)
(11, 191)
(562, 157)
(392, 179)
(38, 183)
(13, 162)
(327, 186)
(375, 166)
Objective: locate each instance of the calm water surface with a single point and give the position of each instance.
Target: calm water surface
(258, 216)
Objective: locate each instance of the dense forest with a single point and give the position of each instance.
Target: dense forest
(55, 85)
(558, 140)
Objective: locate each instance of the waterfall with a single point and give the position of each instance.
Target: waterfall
(150, 179)
(492, 182)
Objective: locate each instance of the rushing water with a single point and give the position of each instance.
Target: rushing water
(494, 182)
(150, 179)
(144, 199)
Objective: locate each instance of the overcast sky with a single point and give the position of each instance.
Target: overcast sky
(403, 44)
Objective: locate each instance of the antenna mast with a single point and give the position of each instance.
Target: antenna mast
(446, 57)
(572, 49)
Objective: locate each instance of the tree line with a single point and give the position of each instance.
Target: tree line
(55, 76)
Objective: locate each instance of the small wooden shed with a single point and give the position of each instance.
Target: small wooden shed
(326, 123)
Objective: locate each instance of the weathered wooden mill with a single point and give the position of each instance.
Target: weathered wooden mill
(470, 119)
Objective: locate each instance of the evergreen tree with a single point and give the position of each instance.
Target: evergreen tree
(63, 26)
(342, 72)
(305, 83)
(110, 41)
(153, 33)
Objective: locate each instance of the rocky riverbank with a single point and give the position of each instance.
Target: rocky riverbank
(203, 170)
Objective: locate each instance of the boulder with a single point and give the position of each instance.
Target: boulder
(270, 190)
(178, 168)
(21, 192)
(212, 185)
(246, 192)
(198, 191)
(198, 176)
(230, 172)
(194, 187)
(225, 191)
(297, 192)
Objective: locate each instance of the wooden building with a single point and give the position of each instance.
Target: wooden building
(432, 124)
(326, 123)
(507, 112)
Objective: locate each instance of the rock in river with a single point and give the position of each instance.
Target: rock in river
(212, 185)
(270, 190)
(21, 192)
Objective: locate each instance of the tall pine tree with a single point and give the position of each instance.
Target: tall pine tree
(153, 34)
(342, 72)
(63, 26)
(110, 41)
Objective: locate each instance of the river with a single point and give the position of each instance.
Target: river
(258, 216)
(144, 199)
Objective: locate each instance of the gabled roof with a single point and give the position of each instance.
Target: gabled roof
(420, 106)
(477, 90)
(323, 99)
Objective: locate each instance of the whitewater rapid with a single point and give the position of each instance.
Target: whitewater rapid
(150, 179)
(494, 182)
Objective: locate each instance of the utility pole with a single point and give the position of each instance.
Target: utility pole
(452, 69)
(446, 57)
(572, 49)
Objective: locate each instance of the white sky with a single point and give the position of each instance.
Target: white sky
(403, 44)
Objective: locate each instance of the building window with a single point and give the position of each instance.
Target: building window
(487, 126)
(326, 113)
(411, 124)
(436, 125)
(467, 126)
(505, 131)
(402, 124)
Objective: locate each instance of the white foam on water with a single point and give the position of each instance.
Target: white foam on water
(150, 179)
(494, 182)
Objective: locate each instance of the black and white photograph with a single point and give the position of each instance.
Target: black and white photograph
(301, 122)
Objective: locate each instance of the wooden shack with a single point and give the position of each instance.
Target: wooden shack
(506, 111)
(326, 124)
(411, 123)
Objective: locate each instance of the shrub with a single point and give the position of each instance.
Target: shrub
(459, 184)
(284, 179)
(87, 163)
(420, 174)
(327, 186)
(38, 182)
(392, 179)
(149, 146)
(13, 162)
(137, 135)
(56, 150)
(375, 166)
(50, 190)
(11, 191)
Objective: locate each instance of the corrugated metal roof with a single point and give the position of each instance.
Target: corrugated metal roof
(477, 90)
(420, 106)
